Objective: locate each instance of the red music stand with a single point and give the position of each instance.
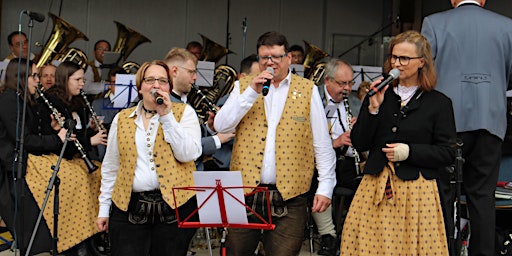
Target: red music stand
(219, 189)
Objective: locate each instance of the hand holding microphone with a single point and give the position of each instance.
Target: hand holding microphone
(159, 99)
(266, 85)
(392, 75)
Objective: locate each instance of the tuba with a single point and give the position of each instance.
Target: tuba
(313, 68)
(223, 80)
(127, 40)
(212, 51)
(56, 48)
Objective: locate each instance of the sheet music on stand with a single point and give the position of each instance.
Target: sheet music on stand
(205, 72)
(365, 73)
(297, 69)
(125, 91)
(3, 67)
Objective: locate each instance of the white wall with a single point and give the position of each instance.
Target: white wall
(172, 23)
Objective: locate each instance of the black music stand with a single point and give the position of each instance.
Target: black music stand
(54, 182)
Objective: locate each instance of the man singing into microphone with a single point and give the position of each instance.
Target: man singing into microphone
(280, 138)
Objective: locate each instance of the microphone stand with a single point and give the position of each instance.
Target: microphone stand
(19, 158)
(244, 36)
(54, 182)
(369, 38)
(459, 163)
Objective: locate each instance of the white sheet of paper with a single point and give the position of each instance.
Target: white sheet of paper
(205, 70)
(3, 67)
(210, 212)
(124, 84)
(298, 69)
(365, 73)
(330, 110)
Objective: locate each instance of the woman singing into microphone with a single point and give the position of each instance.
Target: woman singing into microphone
(409, 130)
(151, 149)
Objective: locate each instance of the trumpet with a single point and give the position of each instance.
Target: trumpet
(357, 158)
(90, 165)
(94, 116)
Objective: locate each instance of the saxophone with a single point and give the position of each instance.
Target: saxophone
(90, 165)
(357, 158)
(94, 116)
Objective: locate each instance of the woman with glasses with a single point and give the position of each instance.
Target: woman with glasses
(151, 149)
(35, 142)
(409, 130)
(79, 188)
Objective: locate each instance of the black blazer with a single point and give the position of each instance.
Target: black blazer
(426, 124)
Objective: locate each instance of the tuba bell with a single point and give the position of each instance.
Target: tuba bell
(212, 51)
(127, 40)
(56, 48)
(313, 68)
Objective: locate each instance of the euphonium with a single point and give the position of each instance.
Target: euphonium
(56, 48)
(357, 158)
(127, 40)
(313, 68)
(56, 114)
(223, 83)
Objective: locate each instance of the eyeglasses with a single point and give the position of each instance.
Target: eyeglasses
(190, 71)
(79, 79)
(275, 59)
(404, 60)
(343, 83)
(34, 75)
(152, 80)
(102, 49)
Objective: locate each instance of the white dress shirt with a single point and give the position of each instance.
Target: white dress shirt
(339, 115)
(238, 105)
(184, 138)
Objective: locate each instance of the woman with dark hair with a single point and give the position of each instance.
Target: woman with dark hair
(151, 149)
(35, 142)
(79, 189)
(66, 97)
(409, 130)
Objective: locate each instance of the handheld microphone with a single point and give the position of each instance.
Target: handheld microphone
(159, 99)
(35, 15)
(266, 85)
(393, 74)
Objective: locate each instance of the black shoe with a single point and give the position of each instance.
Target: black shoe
(328, 246)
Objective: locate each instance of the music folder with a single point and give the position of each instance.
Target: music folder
(205, 70)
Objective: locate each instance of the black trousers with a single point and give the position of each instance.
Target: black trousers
(152, 234)
(482, 157)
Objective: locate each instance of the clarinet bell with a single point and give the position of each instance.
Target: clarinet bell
(90, 165)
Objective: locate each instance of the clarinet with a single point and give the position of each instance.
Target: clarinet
(211, 106)
(94, 116)
(349, 121)
(90, 165)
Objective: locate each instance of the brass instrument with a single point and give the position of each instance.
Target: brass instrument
(56, 48)
(127, 40)
(90, 165)
(94, 116)
(223, 82)
(212, 51)
(357, 158)
(313, 68)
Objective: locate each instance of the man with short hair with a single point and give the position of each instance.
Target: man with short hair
(195, 48)
(182, 65)
(472, 49)
(93, 84)
(15, 39)
(249, 66)
(280, 138)
(48, 76)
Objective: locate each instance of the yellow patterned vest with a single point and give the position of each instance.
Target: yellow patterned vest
(294, 141)
(171, 173)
